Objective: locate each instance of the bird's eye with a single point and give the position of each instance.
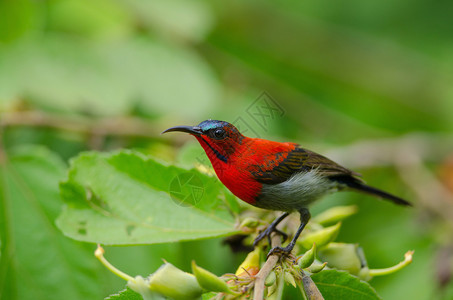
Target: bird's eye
(219, 134)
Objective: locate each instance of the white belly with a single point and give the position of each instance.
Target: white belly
(297, 192)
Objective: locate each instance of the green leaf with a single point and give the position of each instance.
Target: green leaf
(194, 17)
(37, 261)
(335, 284)
(76, 76)
(208, 296)
(126, 294)
(127, 198)
(16, 19)
(82, 17)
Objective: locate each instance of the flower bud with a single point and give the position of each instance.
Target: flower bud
(321, 237)
(270, 279)
(174, 283)
(289, 278)
(208, 280)
(141, 286)
(307, 258)
(364, 274)
(250, 222)
(335, 214)
(251, 264)
(342, 256)
(271, 290)
(316, 268)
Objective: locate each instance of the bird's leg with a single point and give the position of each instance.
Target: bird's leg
(271, 228)
(304, 218)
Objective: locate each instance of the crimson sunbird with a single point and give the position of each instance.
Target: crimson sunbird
(274, 175)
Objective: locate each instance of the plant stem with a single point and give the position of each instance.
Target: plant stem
(99, 253)
(311, 290)
(265, 270)
(380, 272)
(117, 126)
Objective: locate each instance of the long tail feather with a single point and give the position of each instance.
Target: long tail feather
(356, 184)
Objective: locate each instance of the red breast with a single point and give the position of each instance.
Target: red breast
(244, 160)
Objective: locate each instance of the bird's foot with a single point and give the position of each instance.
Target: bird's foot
(267, 233)
(281, 251)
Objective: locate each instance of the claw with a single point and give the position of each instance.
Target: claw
(286, 251)
(267, 234)
(281, 251)
(271, 228)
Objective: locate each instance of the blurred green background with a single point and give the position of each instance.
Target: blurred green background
(369, 83)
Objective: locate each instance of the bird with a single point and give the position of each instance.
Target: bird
(280, 176)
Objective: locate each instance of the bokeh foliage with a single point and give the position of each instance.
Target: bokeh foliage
(348, 75)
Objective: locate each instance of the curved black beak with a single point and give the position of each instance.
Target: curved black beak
(195, 130)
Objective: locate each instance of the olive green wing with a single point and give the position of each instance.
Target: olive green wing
(300, 160)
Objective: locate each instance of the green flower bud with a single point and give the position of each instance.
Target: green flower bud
(250, 222)
(208, 280)
(289, 278)
(174, 283)
(342, 256)
(364, 274)
(307, 258)
(270, 279)
(321, 237)
(272, 289)
(335, 214)
(141, 286)
(316, 268)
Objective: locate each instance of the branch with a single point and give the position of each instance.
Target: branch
(310, 288)
(266, 270)
(362, 154)
(118, 126)
(430, 147)
(431, 193)
(2, 150)
(408, 153)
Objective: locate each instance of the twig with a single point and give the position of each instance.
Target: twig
(431, 193)
(266, 270)
(2, 150)
(408, 153)
(431, 147)
(118, 126)
(311, 290)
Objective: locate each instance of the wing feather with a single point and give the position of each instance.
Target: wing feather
(299, 160)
